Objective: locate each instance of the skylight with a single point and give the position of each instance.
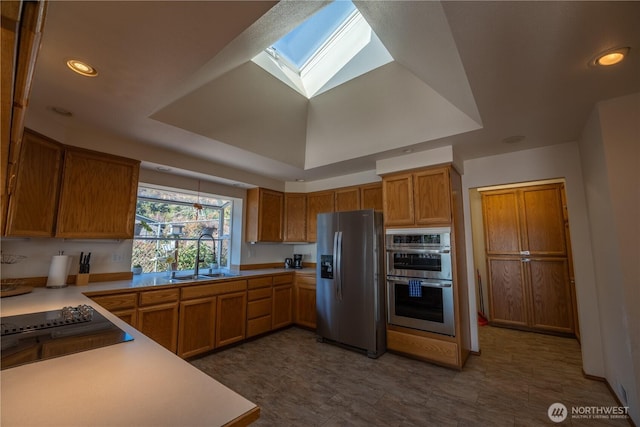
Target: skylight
(319, 54)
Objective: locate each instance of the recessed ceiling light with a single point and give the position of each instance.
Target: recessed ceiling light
(610, 57)
(163, 169)
(514, 139)
(299, 180)
(82, 68)
(61, 111)
(407, 150)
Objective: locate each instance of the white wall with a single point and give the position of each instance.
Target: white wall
(610, 153)
(557, 161)
(107, 256)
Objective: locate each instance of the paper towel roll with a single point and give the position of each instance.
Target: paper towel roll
(58, 271)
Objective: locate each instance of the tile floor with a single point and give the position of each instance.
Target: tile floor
(298, 381)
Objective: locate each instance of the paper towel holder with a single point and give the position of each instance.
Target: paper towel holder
(59, 271)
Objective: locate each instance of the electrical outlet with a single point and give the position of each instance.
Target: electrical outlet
(117, 257)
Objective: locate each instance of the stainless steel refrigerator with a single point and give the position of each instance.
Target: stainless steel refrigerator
(350, 280)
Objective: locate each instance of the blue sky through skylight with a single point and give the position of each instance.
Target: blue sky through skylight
(304, 40)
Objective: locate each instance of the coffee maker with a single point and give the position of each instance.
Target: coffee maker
(297, 260)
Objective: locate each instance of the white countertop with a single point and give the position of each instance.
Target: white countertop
(132, 383)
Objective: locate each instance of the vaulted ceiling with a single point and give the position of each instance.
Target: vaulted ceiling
(179, 76)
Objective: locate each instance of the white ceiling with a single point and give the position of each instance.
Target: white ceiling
(179, 75)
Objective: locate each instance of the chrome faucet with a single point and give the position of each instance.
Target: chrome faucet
(196, 269)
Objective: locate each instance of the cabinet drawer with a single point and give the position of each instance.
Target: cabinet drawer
(423, 347)
(258, 326)
(159, 297)
(256, 294)
(260, 282)
(201, 291)
(212, 289)
(282, 278)
(117, 301)
(306, 279)
(258, 308)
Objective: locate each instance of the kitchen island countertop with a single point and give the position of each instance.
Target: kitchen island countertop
(132, 383)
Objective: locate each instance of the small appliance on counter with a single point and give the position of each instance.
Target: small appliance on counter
(288, 263)
(297, 260)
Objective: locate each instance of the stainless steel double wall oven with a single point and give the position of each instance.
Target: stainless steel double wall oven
(419, 279)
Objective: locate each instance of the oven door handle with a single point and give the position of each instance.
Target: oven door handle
(425, 283)
(418, 251)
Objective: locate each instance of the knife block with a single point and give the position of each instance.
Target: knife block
(82, 279)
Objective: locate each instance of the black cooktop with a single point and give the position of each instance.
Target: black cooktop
(28, 338)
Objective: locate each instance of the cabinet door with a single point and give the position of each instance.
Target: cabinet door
(551, 300)
(265, 213)
(231, 317)
(347, 199)
(34, 201)
(295, 217)
(543, 230)
(98, 196)
(501, 222)
(371, 197)
(397, 198)
(306, 306)
(282, 312)
(318, 202)
(432, 196)
(128, 316)
(507, 291)
(197, 326)
(160, 323)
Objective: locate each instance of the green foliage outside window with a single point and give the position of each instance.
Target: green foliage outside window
(160, 213)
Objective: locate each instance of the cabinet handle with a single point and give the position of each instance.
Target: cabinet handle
(525, 253)
(525, 259)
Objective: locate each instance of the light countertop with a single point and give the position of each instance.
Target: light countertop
(132, 383)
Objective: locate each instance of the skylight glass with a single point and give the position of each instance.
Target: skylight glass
(303, 41)
(319, 54)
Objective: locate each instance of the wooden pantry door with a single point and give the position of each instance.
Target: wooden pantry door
(527, 258)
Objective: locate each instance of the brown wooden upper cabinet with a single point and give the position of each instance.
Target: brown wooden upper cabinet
(265, 214)
(525, 221)
(371, 196)
(33, 202)
(417, 198)
(22, 25)
(347, 199)
(70, 192)
(97, 196)
(295, 217)
(318, 202)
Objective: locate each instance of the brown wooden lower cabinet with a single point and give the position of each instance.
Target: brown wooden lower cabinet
(531, 293)
(306, 305)
(259, 304)
(129, 316)
(160, 323)
(282, 311)
(424, 347)
(197, 326)
(231, 315)
(122, 305)
(194, 319)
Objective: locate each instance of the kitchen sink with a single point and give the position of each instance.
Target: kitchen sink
(201, 276)
(186, 277)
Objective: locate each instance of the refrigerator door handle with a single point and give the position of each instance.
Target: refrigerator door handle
(337, 256)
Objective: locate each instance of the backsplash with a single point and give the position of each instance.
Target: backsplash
(114, 256)
(107, 256)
